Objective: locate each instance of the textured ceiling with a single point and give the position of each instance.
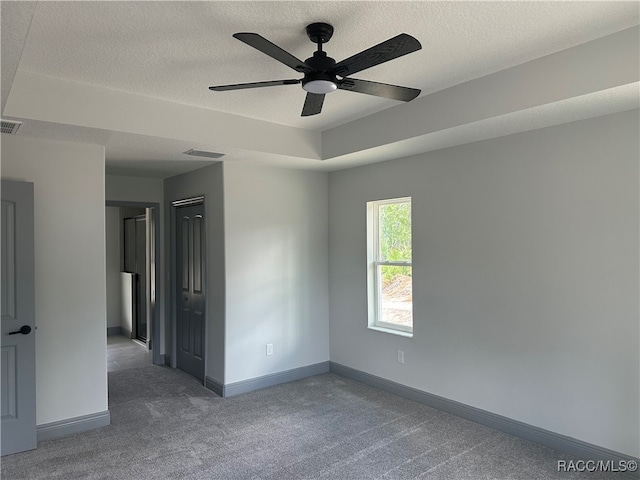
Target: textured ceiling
(173, 51)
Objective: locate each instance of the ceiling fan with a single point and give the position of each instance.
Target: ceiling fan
(323, 75)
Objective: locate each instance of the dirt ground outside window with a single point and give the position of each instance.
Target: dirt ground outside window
(397, 301)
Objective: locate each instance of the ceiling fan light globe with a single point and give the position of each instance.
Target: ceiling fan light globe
(320, 86)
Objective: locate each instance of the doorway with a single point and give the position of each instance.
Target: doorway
(133, 277)
(134, 259)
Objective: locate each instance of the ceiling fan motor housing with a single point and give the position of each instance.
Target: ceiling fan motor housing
(323, 65)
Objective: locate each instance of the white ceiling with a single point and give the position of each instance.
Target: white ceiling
(172, 52)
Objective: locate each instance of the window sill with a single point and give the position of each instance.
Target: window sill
(391, 331)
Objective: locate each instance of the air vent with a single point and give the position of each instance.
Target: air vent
(10, 126)
(203, 153)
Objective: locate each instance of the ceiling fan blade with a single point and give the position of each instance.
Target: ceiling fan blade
(312, 104)
(394, 92)
(393, 48)
(265, 46)
(241, 86)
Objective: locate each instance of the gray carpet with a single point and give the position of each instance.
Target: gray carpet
(164, 425)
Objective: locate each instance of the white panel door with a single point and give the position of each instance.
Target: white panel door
(17, 363)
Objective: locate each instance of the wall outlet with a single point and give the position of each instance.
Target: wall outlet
(400, 356)
(269, 348)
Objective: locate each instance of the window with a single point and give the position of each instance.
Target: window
(389, 265)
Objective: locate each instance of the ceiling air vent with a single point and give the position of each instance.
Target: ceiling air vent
(202, 153)
(10, 126)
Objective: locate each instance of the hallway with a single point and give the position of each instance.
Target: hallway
(123, 354)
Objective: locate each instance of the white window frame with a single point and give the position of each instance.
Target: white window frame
(373, 271)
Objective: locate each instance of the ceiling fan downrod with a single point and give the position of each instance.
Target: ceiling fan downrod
(322, 81)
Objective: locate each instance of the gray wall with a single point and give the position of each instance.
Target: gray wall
(70, 274)
(206, 181)
(525, 277)
(133, 189)
(276, 269)
(267, 267)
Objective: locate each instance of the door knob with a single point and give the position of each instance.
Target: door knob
(24, 330)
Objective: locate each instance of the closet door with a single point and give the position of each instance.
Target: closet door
(190, 322)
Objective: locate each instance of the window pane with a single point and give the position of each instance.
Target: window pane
(396, 295)
(394, 221)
